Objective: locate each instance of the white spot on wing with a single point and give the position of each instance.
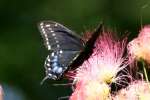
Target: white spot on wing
(49, 47)
(48, 64)
(41, 24)
(47, 42)
(48, 60)
(58, 45)
(49, 74)
(52, 31)
(60, 51)
(49, 69)
(52, 54)
(46, 39)
(45, 35)
(53, 34)
(56, 25)
(43, 31)
(48, 25)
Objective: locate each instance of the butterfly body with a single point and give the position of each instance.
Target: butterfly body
(65, 48)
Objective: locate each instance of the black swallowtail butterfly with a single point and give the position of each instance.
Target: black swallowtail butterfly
(65, 48)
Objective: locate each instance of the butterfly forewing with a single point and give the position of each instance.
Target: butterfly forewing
(57, 36)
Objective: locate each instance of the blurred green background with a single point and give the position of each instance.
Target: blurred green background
(22, 52)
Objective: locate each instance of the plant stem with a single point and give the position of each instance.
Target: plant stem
(145, 72)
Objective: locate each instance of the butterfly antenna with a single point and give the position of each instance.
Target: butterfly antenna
(141, 12)
(67, 84)
(99, 28)
(45, 78)
(63, 98)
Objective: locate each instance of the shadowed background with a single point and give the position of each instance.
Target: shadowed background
(22, 52)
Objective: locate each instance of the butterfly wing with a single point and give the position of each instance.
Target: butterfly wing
(64, 46)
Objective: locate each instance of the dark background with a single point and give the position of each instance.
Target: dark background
(22, 52)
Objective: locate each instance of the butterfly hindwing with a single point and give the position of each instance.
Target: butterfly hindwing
(58, 62)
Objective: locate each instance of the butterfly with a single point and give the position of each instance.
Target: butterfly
(66, 48)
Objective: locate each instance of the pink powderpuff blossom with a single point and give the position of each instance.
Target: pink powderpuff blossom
(105, 62)
(100, 69)
(139, 48)
(91, 90)
(137, 90)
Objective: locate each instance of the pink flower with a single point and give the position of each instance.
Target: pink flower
(100, 69)
(139, 48)
(1, 93)
(137, 90)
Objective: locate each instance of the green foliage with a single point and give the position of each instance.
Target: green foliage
(22, 53)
